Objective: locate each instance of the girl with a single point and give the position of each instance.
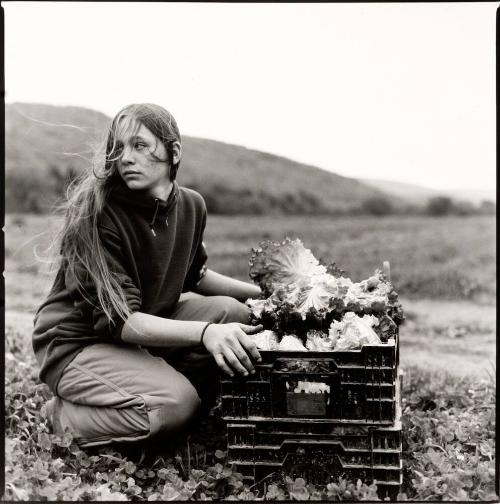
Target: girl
(124, 356)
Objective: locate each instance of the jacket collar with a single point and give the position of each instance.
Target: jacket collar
(141, 202)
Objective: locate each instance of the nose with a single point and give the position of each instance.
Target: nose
(126, 156)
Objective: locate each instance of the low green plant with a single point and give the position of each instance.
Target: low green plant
(449, 438)
(449, 451)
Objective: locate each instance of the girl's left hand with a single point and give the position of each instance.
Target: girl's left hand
(230, 344)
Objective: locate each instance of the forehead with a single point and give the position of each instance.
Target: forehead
(128, 127)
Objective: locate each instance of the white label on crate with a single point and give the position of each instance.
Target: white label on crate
(311, 387)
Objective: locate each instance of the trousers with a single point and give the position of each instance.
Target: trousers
(114, 392)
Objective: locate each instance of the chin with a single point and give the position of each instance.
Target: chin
(134, 186)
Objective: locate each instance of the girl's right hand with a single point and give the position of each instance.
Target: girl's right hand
(231, 346)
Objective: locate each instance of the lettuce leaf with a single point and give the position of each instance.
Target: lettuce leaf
(300, 294)
(282, 263)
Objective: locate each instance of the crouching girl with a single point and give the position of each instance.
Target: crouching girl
(124, 354)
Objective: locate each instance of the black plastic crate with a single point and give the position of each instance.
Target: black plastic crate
(359, 386)
(320, 451)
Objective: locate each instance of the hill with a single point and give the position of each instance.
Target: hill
(45, 143)
(419, 195)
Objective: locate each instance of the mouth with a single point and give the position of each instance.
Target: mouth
(130, 173)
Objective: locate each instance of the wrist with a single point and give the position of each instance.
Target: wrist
(254, 292)
(204, 330)
(258, 292)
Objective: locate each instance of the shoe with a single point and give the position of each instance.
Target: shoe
(50, 412)
(135, 451)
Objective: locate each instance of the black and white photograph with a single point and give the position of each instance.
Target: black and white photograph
(250, 251)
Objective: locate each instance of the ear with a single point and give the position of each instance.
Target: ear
(176, 152)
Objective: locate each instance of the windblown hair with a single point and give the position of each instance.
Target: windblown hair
(82, 253)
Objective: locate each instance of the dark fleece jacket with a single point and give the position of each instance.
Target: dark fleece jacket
(154, 248)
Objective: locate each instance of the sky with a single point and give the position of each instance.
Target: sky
(395, 91)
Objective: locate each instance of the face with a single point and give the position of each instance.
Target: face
(142, 162)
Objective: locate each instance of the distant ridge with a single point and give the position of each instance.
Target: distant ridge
(43, 142)
(419, 195)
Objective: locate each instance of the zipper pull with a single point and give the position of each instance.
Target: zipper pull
(166, 221)
(152, 223)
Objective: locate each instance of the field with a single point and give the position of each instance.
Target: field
(444, 270)
(450, 258)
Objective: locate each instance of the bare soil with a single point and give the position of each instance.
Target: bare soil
(454, 336)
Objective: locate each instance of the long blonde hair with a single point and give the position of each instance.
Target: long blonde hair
(82, 253)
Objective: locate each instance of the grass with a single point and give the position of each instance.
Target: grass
(450, 258)
(448, 450)
(439, 266)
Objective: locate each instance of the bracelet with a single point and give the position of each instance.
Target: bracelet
(203, 332)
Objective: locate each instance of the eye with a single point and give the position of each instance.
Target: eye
(139, 145)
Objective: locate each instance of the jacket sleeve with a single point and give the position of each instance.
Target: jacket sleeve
(116, 262)
(114, 255)
(197, 270)
(198, 267)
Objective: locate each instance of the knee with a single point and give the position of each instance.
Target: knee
(231, 310)
(176, 411)
(187, 402)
